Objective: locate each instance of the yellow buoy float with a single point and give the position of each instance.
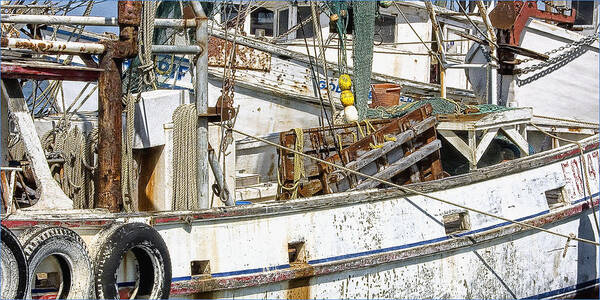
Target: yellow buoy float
(347, 98)
(345, 82)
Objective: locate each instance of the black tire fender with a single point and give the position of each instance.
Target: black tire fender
(149, 249)
(71, 253)
(15, 279)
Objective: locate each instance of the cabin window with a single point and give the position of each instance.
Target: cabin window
(296, 253)
(585, 12)
(555, 198)
(282, 21)
(261, 20)
(385, 29)
(307, 30)
(200, 267)
(456, 222)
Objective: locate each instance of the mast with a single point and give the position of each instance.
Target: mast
(110, 107)
(201, 90)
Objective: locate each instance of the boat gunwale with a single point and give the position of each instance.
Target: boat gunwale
(477, 238)
(95, 218)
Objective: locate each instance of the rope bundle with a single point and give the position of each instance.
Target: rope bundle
(76, 177)
(184, 158)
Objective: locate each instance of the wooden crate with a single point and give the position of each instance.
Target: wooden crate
(403, 150)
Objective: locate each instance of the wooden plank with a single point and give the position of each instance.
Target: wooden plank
(406, 122)
(487, 138)
(400, 165)
(376, 153)
(458, 143)
(472, 139)
(348, 133)
(503, 117)
(518, 139)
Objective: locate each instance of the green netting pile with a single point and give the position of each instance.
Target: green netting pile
(440, 106)
(364, 30)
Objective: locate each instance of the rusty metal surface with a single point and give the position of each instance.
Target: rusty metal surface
(129, 13)
(47, 73)
(505, 13)
(41, 46)
(110, 107)
(110, 110)
(510, 17)
(129, 18)
(246, 58)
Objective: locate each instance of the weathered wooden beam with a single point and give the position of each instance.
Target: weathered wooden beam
(400, 165)
(401, 138)
(487, 138)
(458, 143)
(51, 195)
(110, 106)
(518, 139)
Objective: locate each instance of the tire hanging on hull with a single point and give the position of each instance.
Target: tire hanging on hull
(70, 253)
(15, 279)
(151, 253)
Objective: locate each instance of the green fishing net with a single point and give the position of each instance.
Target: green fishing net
(364, 31)
(439, 105)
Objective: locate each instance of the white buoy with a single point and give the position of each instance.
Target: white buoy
(350, 113)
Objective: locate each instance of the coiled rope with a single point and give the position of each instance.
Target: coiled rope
(77, 175)
(146, 36)
(185, 195)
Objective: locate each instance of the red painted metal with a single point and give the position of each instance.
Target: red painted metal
(513, 15)
(41, 73)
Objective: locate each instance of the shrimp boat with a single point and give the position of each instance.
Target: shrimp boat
(416, 176)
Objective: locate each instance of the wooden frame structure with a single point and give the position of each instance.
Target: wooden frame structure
(512, 123)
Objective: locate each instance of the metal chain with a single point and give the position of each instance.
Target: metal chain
(584, 41)
(554, 63)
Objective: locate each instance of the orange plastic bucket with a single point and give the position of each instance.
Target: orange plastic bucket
(385, 94)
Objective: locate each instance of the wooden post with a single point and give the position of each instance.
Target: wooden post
(442, 81)
(110, 105)
(440, 49)
(110, 127)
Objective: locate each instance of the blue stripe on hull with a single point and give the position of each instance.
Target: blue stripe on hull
(377, 251)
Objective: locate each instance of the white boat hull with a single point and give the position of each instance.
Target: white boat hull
(384, 243)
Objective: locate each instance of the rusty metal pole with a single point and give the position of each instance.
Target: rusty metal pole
(201, 90)
(110, 106)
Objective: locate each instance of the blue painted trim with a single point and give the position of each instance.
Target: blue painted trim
(565, 290)
(43, 291)
(250, 271)
(75, 35)
(376, 251)
(395, 248)
(183, 278)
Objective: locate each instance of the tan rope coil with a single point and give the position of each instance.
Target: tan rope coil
(185, 121)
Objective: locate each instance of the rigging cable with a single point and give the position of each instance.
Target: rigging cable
(413, 191)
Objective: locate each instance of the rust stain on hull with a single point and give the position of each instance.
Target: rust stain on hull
(299, 288)
(246, 58)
